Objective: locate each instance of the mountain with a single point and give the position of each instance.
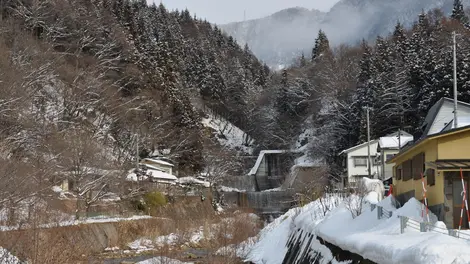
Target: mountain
(87, 84)
(279, 38)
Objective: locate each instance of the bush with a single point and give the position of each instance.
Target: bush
(153, 200)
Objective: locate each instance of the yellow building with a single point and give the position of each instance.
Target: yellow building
(442, 151)
(440, 157)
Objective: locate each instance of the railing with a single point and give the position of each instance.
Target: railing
(381, 212)
(406, 222)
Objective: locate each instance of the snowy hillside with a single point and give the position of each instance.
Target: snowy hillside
(228, 134)
(279, 38)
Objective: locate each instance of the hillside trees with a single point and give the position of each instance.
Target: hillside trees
(399, 77)
(84, 84)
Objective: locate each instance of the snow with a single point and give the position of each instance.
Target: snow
(271, 246)
(228, 134)
(392, 142)
(240, 250)
(71, 221)
(57, 189)
(7, 258)
(381, 241)
(192, 180)
(278, 189)
(260, 158)
(158, 161)
(163, 260)
(230, 189)
(373, 185)
(156, 174)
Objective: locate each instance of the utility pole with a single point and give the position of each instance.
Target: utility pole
(137, 151)
(368, 144)
(455, 81)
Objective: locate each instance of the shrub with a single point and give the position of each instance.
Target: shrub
(153, 200)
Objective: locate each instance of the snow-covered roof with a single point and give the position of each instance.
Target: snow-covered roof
(152, 167)
(158, 161)
(260, 158)
(392, 142)
(462, 122)
(161, 175)
(358, 146)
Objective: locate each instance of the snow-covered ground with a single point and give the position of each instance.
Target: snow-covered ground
(381, 241)
(163, 260)
(271, 246)
(71, 221)
(228, 134)
(7, 258)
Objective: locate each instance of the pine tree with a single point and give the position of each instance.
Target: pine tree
(322, 46)
(458, 13)
(365, 95)
(303, 61)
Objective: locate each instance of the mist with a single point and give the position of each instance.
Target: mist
(283, 36)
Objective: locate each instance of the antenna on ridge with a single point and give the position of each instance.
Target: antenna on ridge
(244, 15)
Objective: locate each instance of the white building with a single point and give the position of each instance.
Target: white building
(441, 116)
(356, 165)
(387, 148)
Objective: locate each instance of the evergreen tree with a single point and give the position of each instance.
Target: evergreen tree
(303, 61)
(458, 13)
(365, 95)
(322, 46)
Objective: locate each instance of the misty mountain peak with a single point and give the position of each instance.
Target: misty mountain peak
(282, 36)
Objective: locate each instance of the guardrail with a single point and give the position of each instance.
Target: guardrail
(406, 222)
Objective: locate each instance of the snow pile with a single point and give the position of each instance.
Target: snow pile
(171, 240)
(229, 135)
(272, 240)
(7, 258)
(381, 241)
(163, 260)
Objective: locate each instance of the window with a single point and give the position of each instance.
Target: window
(407, 170)
(418, 166)
(430, 174)
(389, 157)
(360, 161)
(398, 173)
(376, 161)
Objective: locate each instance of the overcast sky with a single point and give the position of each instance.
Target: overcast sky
(224, 11)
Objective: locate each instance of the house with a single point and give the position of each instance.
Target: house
(439, 155)
(356, 165)
(441, 116)
(154, 170)
(158, 164)
(388, 147)
(270, 169)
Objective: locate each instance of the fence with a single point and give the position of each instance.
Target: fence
(406, 222)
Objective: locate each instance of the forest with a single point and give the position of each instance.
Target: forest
(85, 82)
(398, 77)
